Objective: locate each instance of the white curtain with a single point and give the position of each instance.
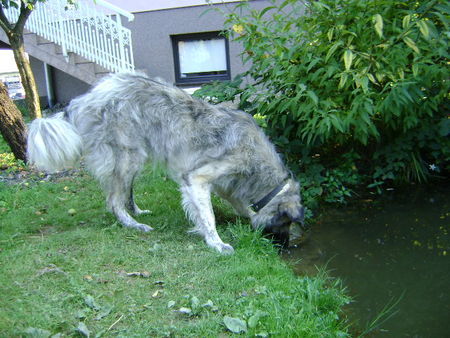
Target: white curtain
(199, 56)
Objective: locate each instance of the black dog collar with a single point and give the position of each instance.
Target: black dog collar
(266, 199)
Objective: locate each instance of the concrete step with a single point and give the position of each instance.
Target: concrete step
(50, 53)
(42, 41)
(78, 59)
(29, 38)
(101, 70)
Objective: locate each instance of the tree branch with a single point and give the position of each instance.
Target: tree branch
(4, 22)
(25, 12)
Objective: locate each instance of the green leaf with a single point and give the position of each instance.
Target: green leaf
(330, 34)
(378, 24)
(235, 325)
(406, 21)
(253, 320)
(372, 78)
(320, 6)
(343, 80)
(380, 76)
(411, 44)
(348, 59)
(444, 127)
(283, 120)
(312, 96)
(424, 29)
(415, 69)
(265, 10)
(332, 50)
(336, 122)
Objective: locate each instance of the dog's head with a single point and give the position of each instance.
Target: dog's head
(276, 218)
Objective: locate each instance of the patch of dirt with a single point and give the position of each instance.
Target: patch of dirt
(29, 176)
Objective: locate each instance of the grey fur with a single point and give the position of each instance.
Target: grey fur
(128, 119)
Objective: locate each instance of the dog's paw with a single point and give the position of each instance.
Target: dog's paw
(141, 212)
(143, 227)
(225, 248)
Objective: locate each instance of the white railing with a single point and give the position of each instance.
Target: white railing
(92, 29)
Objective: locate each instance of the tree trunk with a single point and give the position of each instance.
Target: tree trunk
(28, 81)
(12, 126)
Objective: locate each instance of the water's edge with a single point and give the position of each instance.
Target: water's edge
(386, 249)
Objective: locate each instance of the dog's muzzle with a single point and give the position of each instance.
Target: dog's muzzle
(278, 234)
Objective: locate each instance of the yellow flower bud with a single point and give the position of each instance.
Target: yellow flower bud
(238, 28)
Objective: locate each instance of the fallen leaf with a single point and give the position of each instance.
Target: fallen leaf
(253, 320)
(235, 325)
(143, 274)
(82, 314)
(171, 304)
(50, 269)
(185, 310)
(82, 328)
(156, 294)
(156, 247)
(35, 332)
(103, 313)
(195, 302)
(102, 281)
(90, 302)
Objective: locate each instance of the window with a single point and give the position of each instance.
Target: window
(200, 58)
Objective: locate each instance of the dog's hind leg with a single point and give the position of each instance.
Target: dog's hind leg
(119, 190)
(132, 206)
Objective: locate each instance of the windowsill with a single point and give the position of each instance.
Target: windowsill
(201, 81)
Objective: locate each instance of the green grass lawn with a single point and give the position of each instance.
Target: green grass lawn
(78, 272)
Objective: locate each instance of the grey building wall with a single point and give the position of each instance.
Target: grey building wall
(151, 32)
(65, 87)
(39, 76)
(152, 45)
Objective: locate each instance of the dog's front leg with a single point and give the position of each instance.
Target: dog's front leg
(197, 205)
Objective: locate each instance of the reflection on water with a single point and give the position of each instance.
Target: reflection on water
(383, 250)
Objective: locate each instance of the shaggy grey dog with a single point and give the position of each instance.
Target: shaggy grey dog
(128, 119)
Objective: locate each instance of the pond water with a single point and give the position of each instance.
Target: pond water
(396, 248)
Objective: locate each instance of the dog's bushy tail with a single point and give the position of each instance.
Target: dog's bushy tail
(53, 143)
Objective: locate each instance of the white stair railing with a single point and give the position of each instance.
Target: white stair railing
(92, 29)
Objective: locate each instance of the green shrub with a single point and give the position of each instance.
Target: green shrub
(217, 92)
(367, 78)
